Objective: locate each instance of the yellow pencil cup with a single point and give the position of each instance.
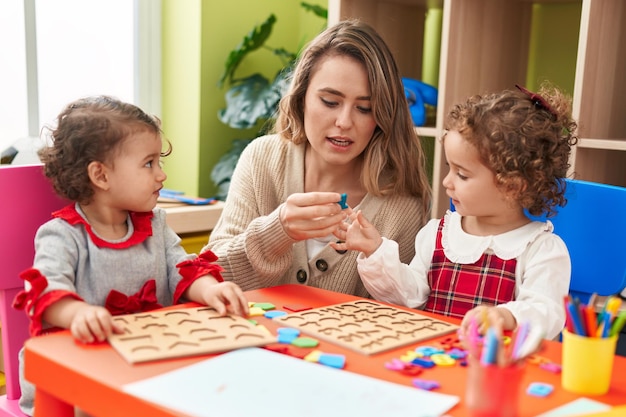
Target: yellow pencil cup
(587, 363)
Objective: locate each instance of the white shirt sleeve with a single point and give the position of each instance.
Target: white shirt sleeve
(389, 280)
(543, 277)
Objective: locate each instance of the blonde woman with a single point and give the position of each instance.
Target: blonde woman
(343, 127)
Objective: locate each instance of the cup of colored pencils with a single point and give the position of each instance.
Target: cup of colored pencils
(496, 369)
(589, 343)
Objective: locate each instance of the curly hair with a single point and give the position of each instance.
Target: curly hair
(394, 160)
(90, 129)
(525, 139)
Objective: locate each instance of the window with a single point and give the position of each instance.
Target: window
(57, 51)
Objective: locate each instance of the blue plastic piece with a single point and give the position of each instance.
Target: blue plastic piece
(539, 389)
(428, 350)
(165, 192)
(418, 94)
(342, 202)
(332, 360)
(274, 313)
(423, 362)
(287, 334)
(179, 196)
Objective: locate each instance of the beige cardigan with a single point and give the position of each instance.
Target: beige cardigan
(256, 252)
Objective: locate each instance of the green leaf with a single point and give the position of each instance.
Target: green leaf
(319, 11)
(252, 41)
(224, 168)
(285, 55)
(250, 100)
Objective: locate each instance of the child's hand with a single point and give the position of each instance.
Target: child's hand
(360, 235)
(488, 316)
(93, 324)
(226, 297)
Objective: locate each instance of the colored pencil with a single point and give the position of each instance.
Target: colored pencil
(576, 321)
(591, 321)
(618, 324)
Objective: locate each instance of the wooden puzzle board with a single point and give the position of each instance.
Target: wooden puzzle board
(366, 326)
(184, 332)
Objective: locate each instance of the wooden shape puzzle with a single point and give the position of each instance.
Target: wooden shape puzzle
(367, 327)
(184, 332)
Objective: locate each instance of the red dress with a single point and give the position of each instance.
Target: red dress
(457, 288)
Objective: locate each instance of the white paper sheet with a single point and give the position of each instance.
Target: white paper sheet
(578, 407)
(257, 382)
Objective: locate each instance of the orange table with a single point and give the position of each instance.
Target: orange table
(92, 376)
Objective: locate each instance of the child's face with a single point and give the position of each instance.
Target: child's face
(136, 177)
(469, 183)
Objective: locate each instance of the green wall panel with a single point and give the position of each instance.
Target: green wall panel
(197, 37)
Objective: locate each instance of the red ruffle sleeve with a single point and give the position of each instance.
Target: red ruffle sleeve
(193, 269)
(34, 303)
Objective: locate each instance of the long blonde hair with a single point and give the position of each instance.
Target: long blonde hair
(393, 161)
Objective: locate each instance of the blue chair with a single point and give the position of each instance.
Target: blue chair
(593, 226)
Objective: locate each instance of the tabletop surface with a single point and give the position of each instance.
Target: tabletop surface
(92, 376)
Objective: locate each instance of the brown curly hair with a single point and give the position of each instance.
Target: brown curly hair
(90, 129)
(525, 139)
(394, 160)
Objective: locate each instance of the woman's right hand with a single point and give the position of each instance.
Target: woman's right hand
(311, 215)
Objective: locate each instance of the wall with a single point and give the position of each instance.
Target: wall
(197, 37)
(552, 52)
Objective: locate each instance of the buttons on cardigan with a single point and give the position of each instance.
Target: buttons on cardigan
(301, 276)
(321, 265)
(340, 252)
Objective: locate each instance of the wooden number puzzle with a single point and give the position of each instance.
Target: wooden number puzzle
(367, 327)
(184, 332)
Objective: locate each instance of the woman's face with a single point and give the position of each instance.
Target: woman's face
(338, 118)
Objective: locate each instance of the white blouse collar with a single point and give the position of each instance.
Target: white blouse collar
(461, 247)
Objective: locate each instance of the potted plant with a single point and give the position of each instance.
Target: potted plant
(252, 100)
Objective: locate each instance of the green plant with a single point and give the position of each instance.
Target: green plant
(252, 100)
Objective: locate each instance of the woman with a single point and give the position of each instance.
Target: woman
(343, 127)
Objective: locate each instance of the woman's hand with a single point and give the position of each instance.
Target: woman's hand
(311, 215)
(359, 235)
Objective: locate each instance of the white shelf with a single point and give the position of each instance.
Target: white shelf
(192, 219)
(606, 144)
(431, 132)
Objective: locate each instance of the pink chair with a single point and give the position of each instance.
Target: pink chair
(27, 201)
